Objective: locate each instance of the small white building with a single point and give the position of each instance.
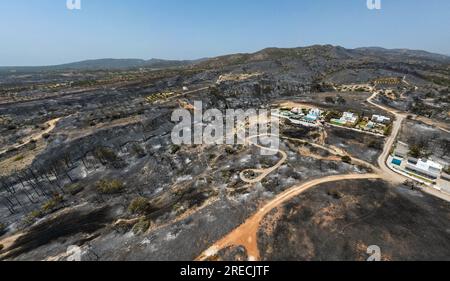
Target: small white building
(296, 110)
(381, 119)
(185, 88)
(370, 125)
(349, 118)
(426, 168)
(313, 115)
(315, 112)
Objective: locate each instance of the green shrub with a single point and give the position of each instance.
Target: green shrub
(415, 151)
(332, 115)
(109, 186)
(52, 204)
(106, 154)
(139, 205)
(74, 189)
(2, 229)
(34, 215)
(335, 194)
(142, 226)
(47, 208)
(19, 158)
(388, 130)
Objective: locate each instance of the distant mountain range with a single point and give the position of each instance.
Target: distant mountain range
(109, 64)
(310, 52)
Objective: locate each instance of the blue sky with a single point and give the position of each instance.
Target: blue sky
(43, 32)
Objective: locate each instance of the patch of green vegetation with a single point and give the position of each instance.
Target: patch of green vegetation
(415, 151)
(106, 154)
(332, 115)
(19, 158)
(52, 203)
(109, 186)
(346, 159)
(335, 194)
(139, 205)
(315, 135)
(141, 226)
(36, 214)
(159, 96)
(2, 229)
(47, 208)
(74, 189)
(388, 130)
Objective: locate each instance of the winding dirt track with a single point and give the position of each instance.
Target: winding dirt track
(246, 234)
(263, 172)
(51, 125)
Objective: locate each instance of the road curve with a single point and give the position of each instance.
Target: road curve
(263, 172)
(246, 234)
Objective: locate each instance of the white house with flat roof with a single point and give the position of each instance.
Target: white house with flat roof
(426, 168)
(313, 115)
(381, 119)
(315, 112)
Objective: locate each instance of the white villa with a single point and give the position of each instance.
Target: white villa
(381, 119)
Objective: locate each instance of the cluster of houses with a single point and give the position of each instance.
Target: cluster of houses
(303, 116)
(316, 116)
(376, 124)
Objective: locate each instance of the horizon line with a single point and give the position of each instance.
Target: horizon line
(210, 57)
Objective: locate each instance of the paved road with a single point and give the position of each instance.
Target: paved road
(390, 141)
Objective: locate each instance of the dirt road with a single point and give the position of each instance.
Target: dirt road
(51, 125)
(246, 234)
(263, 173)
